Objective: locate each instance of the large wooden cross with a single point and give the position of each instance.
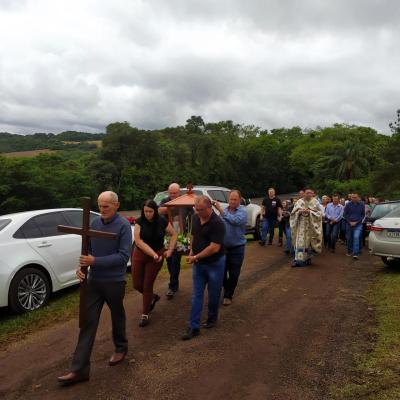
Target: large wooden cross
(86, 233)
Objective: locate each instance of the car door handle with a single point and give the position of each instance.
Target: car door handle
(44, 244)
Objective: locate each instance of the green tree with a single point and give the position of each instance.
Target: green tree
(386, 179)
(348, 159)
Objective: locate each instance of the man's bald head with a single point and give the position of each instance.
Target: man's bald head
(174, 191)
(108, 195)
(108, 204)
(203, 201)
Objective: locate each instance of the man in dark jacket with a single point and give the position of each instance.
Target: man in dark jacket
(353, 214)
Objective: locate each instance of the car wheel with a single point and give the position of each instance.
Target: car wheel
(392, 262)
(29, 290)
(257, 229)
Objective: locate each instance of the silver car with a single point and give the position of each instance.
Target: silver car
(221, 194)
(384, 238)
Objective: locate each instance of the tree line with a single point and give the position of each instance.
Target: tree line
(138, 163)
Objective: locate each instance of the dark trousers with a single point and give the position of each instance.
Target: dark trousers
(284, 228)
(99, 293)
(325, 233)
(281, 226)
(174, 268)
(364, 233)
(233, 264)
(332, 233)
(342, 229)
(144, 274)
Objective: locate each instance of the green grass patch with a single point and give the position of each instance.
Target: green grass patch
(377, 373)
(62, 307)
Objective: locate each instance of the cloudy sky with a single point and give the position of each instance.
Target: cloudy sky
(82, 64)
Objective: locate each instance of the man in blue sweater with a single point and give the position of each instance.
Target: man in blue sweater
(353, 214)
(106, 284)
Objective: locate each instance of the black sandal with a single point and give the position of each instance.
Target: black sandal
(156, 297)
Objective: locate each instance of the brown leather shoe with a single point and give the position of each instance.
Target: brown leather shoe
(227, 302)
(71, 378)
(116, 358)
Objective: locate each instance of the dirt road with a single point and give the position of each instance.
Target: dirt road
(287, 335)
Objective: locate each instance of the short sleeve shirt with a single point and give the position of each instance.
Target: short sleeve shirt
(213, 231)
(174, 210)
(152, 232)
(271, 207)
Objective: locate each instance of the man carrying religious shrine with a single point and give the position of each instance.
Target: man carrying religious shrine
(208, 259)
(306, 226)
(174, 262)
(106, 284)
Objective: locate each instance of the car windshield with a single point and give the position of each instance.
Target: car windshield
(394, 214)
(381, 210)
(4, 223)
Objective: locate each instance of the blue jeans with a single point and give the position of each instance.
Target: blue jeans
(211, 274)
(332, 233)
(174, 268)
(233, 264)
(288, 234)
(353, 236)
(268, 225)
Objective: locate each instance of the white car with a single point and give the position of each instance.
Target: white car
(384, 238)
(36, 259)
(221, 194)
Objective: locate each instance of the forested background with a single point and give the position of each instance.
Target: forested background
(138, 163)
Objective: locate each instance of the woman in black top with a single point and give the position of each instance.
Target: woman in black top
(149, 254)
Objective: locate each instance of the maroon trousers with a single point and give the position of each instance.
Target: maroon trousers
(144, 273)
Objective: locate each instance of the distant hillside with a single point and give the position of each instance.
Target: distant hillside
(10, 143)
(30, 153)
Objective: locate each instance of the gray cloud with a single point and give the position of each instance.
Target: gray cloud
(82, 65)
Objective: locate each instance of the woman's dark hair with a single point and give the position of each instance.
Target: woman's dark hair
(151, 204)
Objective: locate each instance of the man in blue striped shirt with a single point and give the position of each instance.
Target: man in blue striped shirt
(333, 216)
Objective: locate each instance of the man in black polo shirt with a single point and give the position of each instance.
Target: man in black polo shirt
(207, 256)
(271, 212)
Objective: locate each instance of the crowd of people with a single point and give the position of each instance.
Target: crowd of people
(310, 223)
(216, 253)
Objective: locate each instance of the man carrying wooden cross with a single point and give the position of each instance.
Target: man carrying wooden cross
(105, 284)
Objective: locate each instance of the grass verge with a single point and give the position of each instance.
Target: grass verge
(377, 372)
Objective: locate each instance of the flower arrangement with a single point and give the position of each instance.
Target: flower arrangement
(182, 242)
(183, 238)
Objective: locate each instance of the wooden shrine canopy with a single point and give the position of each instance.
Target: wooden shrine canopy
(180, 203)
(186, 200)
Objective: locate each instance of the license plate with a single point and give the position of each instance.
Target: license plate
(393, 234)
